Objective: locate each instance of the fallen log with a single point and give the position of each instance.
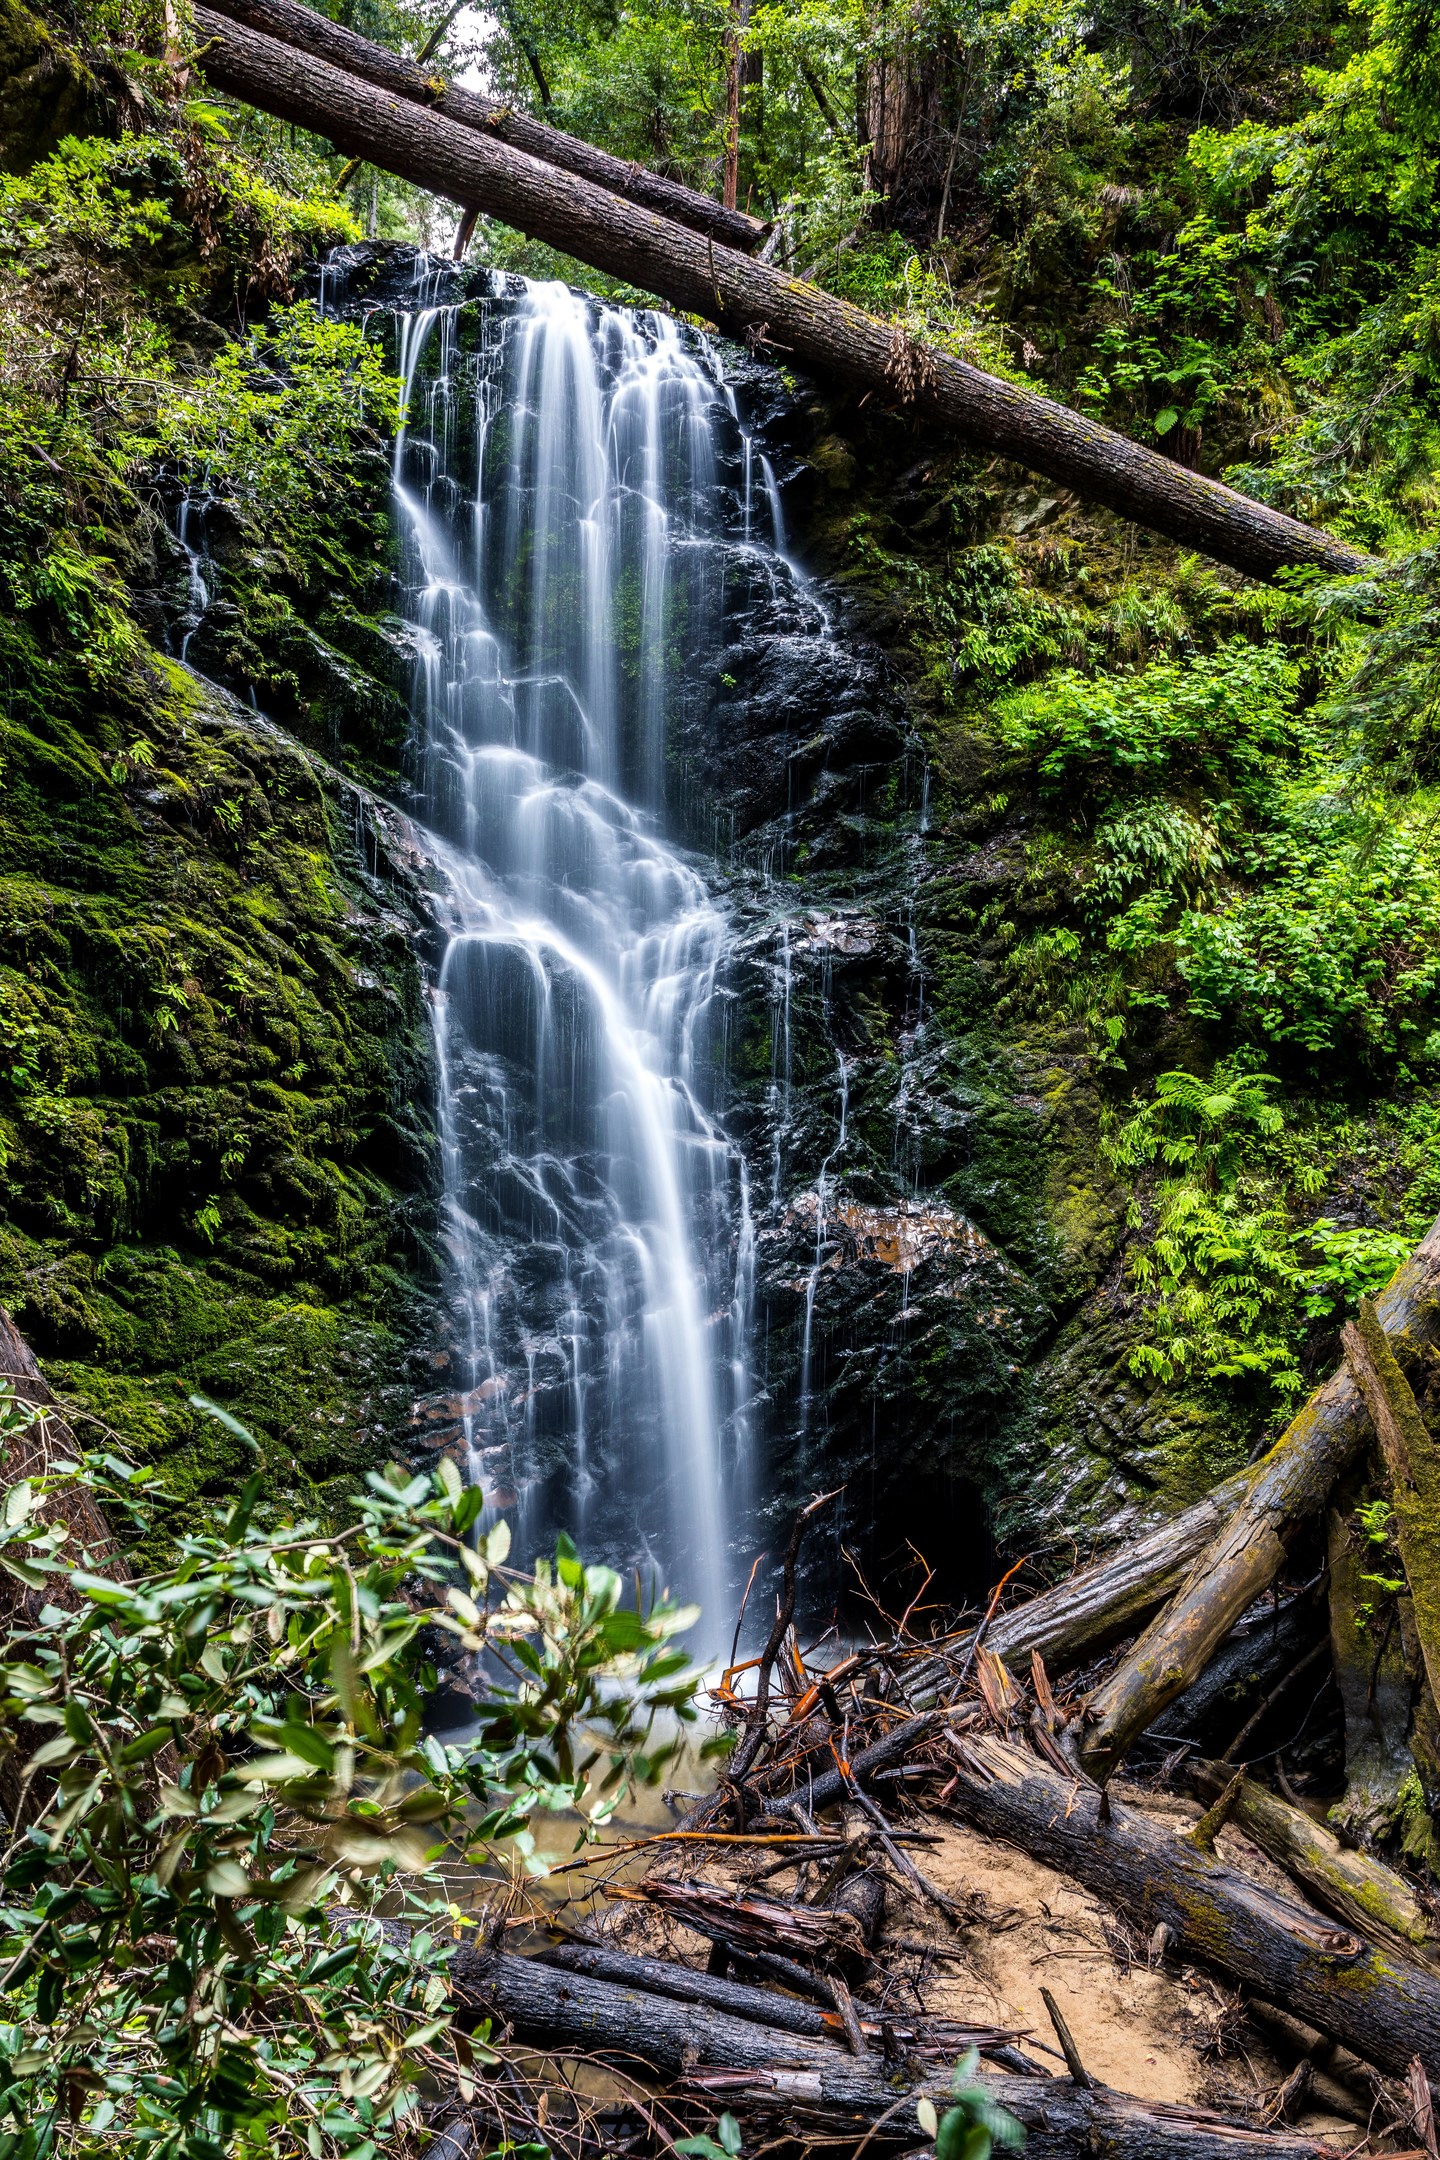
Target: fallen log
(759, 2006)
(309, 32)
(1370, 2001)
(1292, 1483)
(1412, 1464)
(744, 2064)
(1362, 1893)
(662, 1976)
(752, 300)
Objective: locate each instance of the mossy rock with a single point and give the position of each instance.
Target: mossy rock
(46, 90)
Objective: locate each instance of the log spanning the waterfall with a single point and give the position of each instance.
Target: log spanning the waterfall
(315, 34)
(752, 300)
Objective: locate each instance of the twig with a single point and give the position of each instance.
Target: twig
(900, 1860)
(1066, 2038)
(754, 1735)
(854, 2037)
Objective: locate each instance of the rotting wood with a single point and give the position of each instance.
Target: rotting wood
(1363, 1893)
(771, 311)
(309, 32)
(739, 2064)
(747, 1923)
(1413, 1464)
(1292, 1483)
(1367, 1999)
(1373, 1681)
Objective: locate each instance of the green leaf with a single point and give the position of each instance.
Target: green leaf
(226, 1878)
(145, 1744)
(1166, 420)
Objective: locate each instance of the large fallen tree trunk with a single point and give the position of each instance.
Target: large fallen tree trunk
(759, 2006)
(752, 300)
(1363, 1893)
(754, 2065)
(326, 40)
(1292, 1483)
(1386, 2011)
(1091, 1607)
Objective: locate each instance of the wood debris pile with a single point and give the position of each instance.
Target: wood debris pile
(762, 1956)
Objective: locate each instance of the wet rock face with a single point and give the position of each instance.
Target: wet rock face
(934, 1231)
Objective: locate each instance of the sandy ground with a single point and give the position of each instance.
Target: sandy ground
(1149, 2027)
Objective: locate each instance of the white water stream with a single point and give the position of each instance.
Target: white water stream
(556, 476)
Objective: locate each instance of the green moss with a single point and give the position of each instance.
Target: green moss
(215, 1177)
(46, 90)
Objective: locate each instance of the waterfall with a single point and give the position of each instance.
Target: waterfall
(557, 483)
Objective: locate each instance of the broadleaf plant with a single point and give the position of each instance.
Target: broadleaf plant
(218, 1773)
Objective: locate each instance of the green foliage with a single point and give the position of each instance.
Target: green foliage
(232, 1781)
(1216, 722)
(975, 2125)
(1337, 946)
(726, 2144)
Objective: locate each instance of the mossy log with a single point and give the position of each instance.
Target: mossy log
(1412, 1462)
(315, 34)
(1372, 1676)
(738, 2064)
(772, 311)
(1292, 1483)
(1363, 1893)
(1384, 2008)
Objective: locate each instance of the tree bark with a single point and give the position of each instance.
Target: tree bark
(1384, 2009)
(757, 302)
(741, 2063)
(1413, 1464)
(734, 91)
(308, 32)
(659, 1976)
(1361, 1892)
(1294, 1481)
(1373, 1680)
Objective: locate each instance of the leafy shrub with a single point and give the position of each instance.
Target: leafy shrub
(233, 1780)
(1218, 721)
(1338, 947)
(975, 2125)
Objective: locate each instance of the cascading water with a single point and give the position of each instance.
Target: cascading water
(563, 475)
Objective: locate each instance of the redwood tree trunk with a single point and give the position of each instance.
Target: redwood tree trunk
(754, 301)
(309, 32)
